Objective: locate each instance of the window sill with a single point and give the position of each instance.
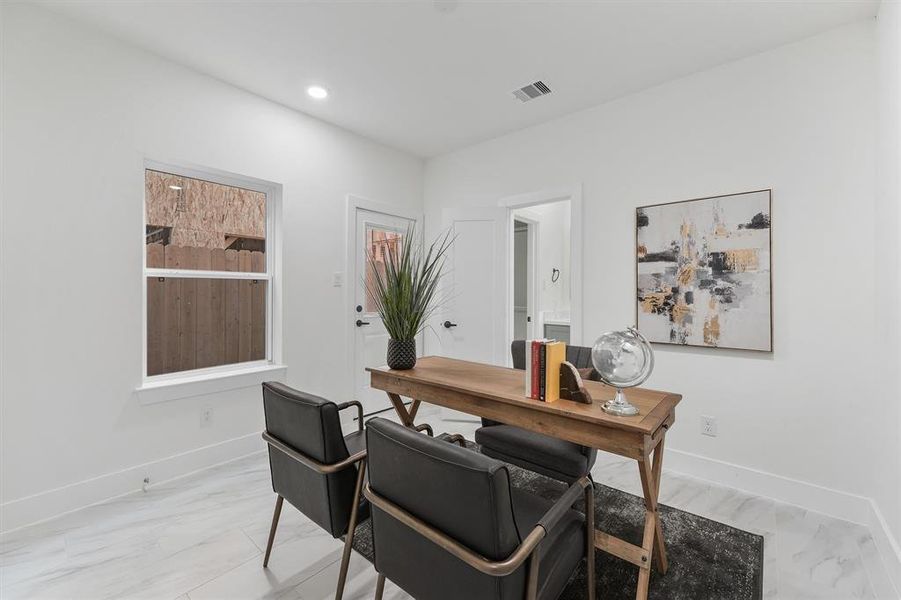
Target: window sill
(208, 383)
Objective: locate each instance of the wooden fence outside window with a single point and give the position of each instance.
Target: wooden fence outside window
(200, 322)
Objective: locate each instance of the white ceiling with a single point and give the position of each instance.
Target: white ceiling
(429, 77)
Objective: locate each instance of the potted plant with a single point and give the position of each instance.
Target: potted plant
(403, 284)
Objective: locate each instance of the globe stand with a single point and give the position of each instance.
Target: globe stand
(619, 406)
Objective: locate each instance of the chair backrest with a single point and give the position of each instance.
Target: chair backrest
(311, 425)
(463, 494)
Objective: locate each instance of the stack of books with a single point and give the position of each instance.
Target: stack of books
(543, 360)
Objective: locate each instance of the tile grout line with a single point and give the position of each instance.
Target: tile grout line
(306, 579)
(224, 573)
(247, 535)
(257, 557)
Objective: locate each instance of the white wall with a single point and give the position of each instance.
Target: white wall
(887, 490)
(80, 113)
(801, 120)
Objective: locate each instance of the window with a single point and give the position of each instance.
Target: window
(379, 243)
(207, 270)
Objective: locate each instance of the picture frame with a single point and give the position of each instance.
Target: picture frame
(703, 271)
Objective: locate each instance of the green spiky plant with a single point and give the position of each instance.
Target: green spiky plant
(406, 293)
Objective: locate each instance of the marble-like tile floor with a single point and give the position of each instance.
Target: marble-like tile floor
(202, 537)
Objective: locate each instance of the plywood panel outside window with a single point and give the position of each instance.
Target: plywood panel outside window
(197, 321)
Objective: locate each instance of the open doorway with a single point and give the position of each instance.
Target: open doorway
(480, 310)
(523, 279)
(541, 306)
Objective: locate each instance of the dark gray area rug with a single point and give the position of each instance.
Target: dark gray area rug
(707, 560)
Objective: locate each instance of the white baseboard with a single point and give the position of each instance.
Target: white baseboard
(53, 503)
(827, 501)
(810, 496)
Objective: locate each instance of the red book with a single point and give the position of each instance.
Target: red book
(542, 372)
(536, 377)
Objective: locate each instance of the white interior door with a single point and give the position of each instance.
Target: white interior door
(474, 319)
(473, 324)
(374, 232)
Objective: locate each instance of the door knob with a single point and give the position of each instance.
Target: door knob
(360, 323)
(448, 324)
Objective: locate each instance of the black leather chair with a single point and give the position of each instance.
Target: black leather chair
(556, 458)
(447, 524)
(314, 466)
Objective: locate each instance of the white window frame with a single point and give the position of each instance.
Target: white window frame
(169, 386)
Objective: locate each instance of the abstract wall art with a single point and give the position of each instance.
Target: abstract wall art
(703, 272)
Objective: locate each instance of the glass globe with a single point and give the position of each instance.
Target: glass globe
(623, 359)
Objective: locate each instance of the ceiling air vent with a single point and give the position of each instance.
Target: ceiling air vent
(532, 91)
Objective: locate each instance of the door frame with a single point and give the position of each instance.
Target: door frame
(572, 193)
(352, 204)
(533, 232)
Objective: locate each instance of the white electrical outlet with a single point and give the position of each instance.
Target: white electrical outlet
(206, 416)
(708, 425)
(337, 279)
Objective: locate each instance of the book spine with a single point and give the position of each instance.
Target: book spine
(542, 370)
(534, 358)
(556, 354)
(528, 357)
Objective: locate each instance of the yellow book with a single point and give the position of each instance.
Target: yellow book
(555, 355)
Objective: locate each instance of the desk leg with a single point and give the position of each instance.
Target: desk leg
(406, 417)
(414, 408)
(653, 533)
(644, 571)
(659, 542)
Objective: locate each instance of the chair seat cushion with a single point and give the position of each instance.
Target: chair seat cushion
(355, 442)
(534, 451)
(560, 552)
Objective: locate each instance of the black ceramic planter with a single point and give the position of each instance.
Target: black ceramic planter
(401, 354)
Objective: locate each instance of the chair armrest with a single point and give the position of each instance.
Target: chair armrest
(454, 438)
(359, 406)
(563, 504)
(425, 427)
(305, 460)
(495, 568)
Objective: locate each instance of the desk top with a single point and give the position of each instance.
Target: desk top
(508, 386)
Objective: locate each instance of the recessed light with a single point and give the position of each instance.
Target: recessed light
(174, 187)
(317, 91)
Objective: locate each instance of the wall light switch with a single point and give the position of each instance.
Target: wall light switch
(337, 279)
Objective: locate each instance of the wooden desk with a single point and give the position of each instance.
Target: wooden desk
(497, 393)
